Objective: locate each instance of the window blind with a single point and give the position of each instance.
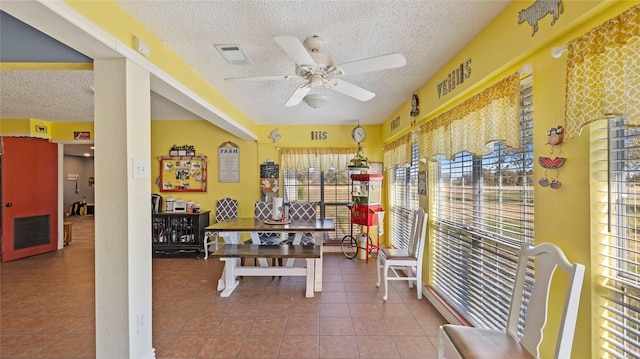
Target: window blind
(483, 212)
(404, 200)
(617, 167)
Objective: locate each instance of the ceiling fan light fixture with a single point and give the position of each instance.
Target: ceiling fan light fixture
(316, 100)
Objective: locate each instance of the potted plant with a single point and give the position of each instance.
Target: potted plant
(359, 160)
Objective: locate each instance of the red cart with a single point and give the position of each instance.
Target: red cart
(366, 211)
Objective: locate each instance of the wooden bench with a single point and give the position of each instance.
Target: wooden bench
(231, 254)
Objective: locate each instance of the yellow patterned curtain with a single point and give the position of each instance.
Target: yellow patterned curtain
(398, 152)
(493, 114)
(603, 73)
(300, 159)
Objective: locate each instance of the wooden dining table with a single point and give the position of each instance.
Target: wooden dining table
(230, 230)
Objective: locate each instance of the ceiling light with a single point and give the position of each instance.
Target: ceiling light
(316, 100)
(233, 54)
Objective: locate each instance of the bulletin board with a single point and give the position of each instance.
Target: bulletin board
(183, 174)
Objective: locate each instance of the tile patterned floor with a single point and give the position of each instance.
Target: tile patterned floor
(47, 310)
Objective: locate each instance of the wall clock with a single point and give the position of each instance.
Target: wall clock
(359, 134)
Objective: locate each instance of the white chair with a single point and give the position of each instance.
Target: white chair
(468, 342)
(404, 260)
(226, 208)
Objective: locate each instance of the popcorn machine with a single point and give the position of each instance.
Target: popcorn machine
(366, 211)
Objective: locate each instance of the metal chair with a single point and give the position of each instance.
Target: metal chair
(469, 342)
(226, 208)
(405, 260)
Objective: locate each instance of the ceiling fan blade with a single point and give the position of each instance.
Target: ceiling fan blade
(298, 95)
(295, 49)
(262, 78)
(351, 90)
(373, 64)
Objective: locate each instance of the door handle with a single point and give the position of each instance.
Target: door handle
(8, 204)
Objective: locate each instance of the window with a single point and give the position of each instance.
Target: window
(404, 200)
(483, 212)
(330, 188)
(617, 178)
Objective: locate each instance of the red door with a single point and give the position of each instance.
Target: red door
(29, 197)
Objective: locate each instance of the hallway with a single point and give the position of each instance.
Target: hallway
(47, 310)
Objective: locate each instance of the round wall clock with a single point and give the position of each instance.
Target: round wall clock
(359, 134)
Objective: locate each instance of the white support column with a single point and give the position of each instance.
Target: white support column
(123, 218)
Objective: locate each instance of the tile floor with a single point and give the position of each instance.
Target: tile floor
(47, 310)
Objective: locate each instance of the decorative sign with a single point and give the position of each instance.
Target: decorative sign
(269, 170)
(81, 135)
(455, 78)
(395, 123)
(41, 128)
(538, 10)
(184, 150)
(72, 176)
(228, 162)
(318, 135)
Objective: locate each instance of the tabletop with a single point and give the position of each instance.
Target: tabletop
(258, 225)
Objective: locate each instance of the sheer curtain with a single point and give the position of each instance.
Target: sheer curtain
(301, 159)
(492, 115)
(603, 73)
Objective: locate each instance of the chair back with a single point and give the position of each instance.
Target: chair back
(226, 208)
(262, 210)
(419, 237)
(302, 210)
(414, 238)
(547, 257)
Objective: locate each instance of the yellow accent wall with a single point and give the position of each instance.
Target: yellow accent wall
(562, 216)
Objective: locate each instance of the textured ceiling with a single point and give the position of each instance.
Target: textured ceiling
(428, 33)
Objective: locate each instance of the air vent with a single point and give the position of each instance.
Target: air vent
(233, 54)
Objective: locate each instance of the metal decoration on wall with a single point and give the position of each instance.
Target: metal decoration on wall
(274, 135)
(538, 10)
(415, 105)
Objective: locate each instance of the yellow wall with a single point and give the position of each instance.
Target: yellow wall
(562, 216)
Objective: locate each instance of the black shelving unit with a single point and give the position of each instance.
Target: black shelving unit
(178, 233)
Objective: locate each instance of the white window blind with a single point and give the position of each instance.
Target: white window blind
(617, 178)
(404, 200)
(483, 212)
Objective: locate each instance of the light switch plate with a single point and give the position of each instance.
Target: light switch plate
(140, 168)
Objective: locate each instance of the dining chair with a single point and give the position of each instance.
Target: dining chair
(262, 211)
(403, 260)
(302, 211)
(543, 259)
(226, 208)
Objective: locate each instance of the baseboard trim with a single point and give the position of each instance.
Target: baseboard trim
(151, 354)
(446, 310)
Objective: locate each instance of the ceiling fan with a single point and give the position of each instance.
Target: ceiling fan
(317, 69)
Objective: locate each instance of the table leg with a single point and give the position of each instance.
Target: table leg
(318, 265)
(296, 242)
(310, 278)
(255, 239)
(230, 278)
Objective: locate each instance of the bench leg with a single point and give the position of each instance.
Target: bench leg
(230, 282)
(310, 278)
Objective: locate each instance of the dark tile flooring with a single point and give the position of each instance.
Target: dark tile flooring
(47, 310)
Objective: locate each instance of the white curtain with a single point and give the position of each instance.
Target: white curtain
(301, 159)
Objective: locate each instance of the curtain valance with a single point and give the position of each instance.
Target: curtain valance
(493, 114)
(398, 152)
(603, 73)
(300, 159)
